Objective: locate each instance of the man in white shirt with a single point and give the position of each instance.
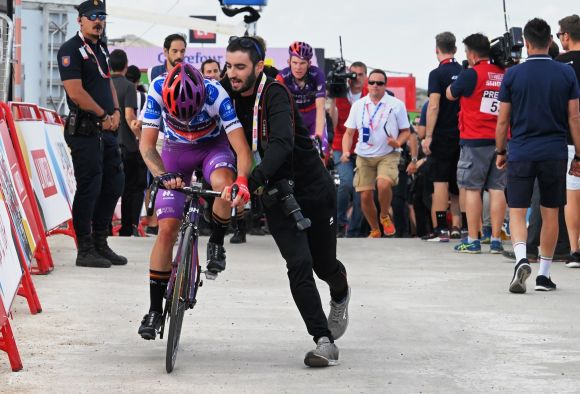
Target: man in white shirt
(383, 128)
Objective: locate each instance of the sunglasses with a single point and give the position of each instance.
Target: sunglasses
(560, 34)
(94, 17)
(379, 83)
(248, 43)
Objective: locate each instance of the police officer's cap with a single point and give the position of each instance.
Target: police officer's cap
(91, 7)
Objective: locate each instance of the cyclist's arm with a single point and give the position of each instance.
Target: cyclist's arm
(244, 156)
(320, 116)
(147, 147)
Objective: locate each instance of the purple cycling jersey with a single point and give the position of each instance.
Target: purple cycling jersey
(314, 87)
(179, 157)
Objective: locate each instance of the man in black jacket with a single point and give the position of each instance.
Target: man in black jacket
(288, 165)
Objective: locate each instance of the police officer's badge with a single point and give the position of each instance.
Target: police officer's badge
(65, 60)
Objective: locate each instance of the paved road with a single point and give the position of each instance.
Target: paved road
(423, 320)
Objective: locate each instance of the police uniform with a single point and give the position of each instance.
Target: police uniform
(95, 152)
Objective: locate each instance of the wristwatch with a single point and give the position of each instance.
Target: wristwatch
(500, 152)
(117, 109)
(414, 160)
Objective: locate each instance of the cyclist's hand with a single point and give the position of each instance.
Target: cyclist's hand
(243, 195)
(172, 180)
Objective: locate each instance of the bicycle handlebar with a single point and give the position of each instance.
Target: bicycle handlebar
(195, 190)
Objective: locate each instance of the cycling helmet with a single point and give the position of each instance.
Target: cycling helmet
(301, 50)
(183, 92)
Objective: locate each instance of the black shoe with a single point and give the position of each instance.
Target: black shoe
(216, 258)
(455, 233)
(150, 325)
(152, 230)
(522, 271)
(574, 261)
(87, 256)
(102, 248)
(544, 284)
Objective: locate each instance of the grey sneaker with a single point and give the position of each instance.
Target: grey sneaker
(325, 354)
(338, 317)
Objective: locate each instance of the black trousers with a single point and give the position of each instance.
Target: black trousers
(99, 176)
(134, 191)
(305, 251)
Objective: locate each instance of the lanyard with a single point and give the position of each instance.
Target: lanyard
(371, 126)
(89, 50)
(255, 117)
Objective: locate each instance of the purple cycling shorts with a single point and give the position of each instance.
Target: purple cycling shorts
(185, 158)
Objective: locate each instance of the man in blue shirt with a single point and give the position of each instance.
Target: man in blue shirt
(539, 100)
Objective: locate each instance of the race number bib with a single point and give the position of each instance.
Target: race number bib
(489, 103)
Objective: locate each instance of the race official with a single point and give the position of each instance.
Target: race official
(539, 100)
(477, 89)
(90, 133)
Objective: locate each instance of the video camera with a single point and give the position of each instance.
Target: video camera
(336, 79)
(506, 50)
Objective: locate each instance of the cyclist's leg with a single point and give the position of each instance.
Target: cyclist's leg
(219, 169)
(169, 205)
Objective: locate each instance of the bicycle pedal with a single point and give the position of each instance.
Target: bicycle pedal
(210, 275)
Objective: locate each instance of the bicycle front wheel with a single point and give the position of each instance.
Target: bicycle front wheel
(179, 299)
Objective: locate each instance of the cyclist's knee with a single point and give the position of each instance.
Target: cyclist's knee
(168, 229)
(221, 178)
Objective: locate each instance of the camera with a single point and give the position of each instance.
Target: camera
(283, 192)
(336, 79)
(506, 50)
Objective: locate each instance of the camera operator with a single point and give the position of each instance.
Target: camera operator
(477, 89)
(291, 176)
(441, 141)
(339, 108)
(91, 135)
(539, 100)
(569, 36)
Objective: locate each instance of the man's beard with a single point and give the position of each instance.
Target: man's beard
(174, 62)
(248, 84)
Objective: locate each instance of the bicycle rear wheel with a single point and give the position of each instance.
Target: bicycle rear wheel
(179, 300)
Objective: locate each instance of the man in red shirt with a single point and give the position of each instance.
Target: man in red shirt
(339, 108)
(477, 89)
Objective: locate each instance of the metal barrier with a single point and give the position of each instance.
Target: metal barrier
(6, 45)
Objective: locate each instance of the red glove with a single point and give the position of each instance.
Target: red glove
(243, 191)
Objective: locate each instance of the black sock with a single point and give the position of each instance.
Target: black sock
(219, 227)
(463, 221)
(157, 287)
(442, 221)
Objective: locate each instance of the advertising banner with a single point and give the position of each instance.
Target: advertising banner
(10, 268)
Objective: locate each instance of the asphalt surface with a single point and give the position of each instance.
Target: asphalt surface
(423, 320)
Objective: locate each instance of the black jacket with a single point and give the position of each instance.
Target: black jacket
(290, 153)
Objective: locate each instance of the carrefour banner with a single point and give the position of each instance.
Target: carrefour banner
(146, 57)
(10, 268)
(53, 205)
(15, 197)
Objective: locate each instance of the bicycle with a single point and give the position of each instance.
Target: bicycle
(186, 271)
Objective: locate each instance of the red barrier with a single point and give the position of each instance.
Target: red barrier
(42, 252)
(7, 341)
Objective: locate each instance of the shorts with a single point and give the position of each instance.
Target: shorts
(444, 169)
(476, 169)
(369, 169)
(572, 182)
(185, 158)
(551, 175)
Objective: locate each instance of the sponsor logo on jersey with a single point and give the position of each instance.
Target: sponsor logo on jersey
(211, 94)
(158, 85)
(153, 109)
(227, 110)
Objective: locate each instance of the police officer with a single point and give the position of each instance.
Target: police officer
(289, 166)
(90, 133)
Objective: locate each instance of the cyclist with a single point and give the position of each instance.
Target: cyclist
(308, 86)
(198, 121)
